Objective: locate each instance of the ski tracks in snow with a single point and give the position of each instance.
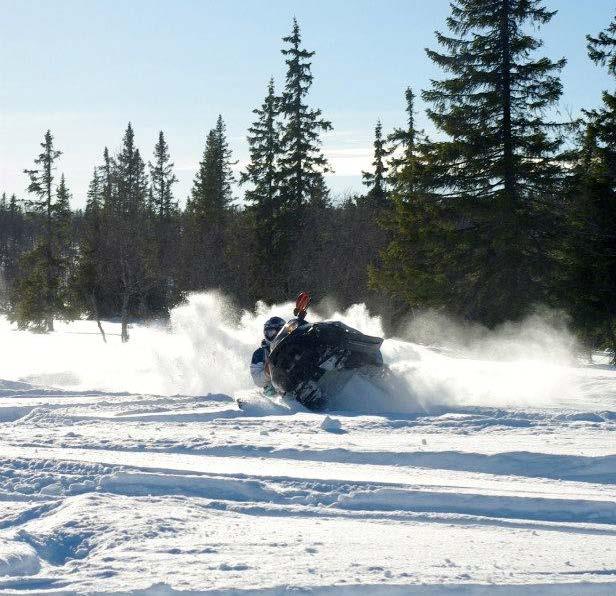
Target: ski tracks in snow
(119, 492)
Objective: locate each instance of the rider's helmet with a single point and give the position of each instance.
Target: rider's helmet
(272, 327)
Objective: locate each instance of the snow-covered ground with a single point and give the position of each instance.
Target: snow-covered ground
(130, 468)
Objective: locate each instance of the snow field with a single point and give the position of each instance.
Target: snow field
(130, 469)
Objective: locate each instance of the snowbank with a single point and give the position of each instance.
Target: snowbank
(18, 558)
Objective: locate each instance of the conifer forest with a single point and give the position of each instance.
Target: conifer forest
(506, 207)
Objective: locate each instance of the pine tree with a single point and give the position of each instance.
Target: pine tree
(602, 51)
(162, 181)
(94, 201)
(303, 163)
(106, 182)
(211, 193)
(265, 202)
(14, 206)
(129, 250)
(87, 283)
(38, 296)
(376, 181)
(17, 239)
(165, 211)
(265, 150)
(496, 176)
(131, 185)
(412, 225)
(207, 214)
(590, 249)
(62, 216)
(403, 145)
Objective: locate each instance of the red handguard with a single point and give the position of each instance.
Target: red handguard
(301, 305)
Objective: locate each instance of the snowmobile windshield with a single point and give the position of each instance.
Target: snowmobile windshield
(289, 328)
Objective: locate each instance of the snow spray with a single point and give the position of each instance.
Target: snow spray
(206, 348)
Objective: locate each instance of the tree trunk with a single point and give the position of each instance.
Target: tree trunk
(508, 163)
(143, 307)
(96, 315)
(125, 302)
(590, 351)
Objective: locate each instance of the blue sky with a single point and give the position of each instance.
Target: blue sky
(84, 68)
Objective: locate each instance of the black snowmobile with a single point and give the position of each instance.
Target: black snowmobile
(303, 353)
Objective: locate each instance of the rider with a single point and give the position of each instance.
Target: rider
(259, 367)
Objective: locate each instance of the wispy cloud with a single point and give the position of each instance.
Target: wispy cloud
(348, 161)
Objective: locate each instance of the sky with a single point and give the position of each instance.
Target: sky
(85, 68)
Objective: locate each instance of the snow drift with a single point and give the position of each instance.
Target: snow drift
(17, 558)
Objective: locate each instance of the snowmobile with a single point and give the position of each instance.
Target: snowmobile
(306, 358)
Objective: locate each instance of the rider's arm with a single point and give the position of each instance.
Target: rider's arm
(259, 369)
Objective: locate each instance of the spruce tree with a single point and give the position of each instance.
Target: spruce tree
(265, 149)
(590, 247)
(406, 269)
(302, 164)
(376, 180)
(602, 51)
(496, 175)
(207, 213)
(131, 185)
(16, 239)
(403, 143)
(164, 211)
(211, 193)
(39, 294)
(265, 202)
(87, 282)
(106, 181)
(130, 252)
(162, 180)
(62, 216)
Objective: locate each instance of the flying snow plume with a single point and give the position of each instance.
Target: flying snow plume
(449, 363)
(207, 345)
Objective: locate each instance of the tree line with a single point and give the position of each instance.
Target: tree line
(502, 209)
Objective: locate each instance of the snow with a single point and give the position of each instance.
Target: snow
(331, 425)
(17, 558)
(483, 469)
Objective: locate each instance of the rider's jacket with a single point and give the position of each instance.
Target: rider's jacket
(257, 365)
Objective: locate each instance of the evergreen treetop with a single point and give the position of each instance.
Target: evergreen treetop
(94, 198)
(404, 143)
(602, 48)
(211, 193)
(106, 181)
(376, 180)
(265, 148)
(62, 207)
(162, 180)
(492, 104)
(41, 178)
(302, 164)
(129, 177)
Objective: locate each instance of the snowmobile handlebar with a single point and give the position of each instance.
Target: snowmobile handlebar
(301, 305)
